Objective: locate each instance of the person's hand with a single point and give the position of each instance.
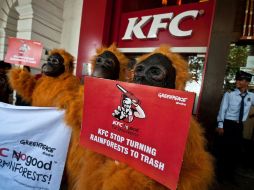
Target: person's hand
(220, 131)
(119, 113)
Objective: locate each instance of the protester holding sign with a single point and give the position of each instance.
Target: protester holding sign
(58, 87)
(164, 69)
(94, 174)
(55, 87)
(110, 63)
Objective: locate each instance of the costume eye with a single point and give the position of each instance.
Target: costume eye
(156, 74)
(98, 59)
(155, 71)
(53, 60)
(139, 68)
(109, 61)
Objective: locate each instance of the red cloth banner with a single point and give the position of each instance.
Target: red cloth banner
(23, 52)
(143, 126)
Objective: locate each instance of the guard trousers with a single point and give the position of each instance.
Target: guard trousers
(230, 149)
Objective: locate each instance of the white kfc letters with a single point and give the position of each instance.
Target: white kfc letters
(159, 22)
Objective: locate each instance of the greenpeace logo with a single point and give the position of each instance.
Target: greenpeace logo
(38, 144)
(179, 100)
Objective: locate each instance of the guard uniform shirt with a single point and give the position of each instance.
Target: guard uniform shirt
(230, 106)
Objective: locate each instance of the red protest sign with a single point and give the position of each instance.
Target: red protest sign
(24, 52)
(143, 126)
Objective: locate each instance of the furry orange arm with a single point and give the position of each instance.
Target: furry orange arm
(23, 82)
(75, 156)
(50, 91)
(197, 172)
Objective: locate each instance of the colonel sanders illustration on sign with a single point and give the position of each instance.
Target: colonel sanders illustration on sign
(24, 48)
(129, 108)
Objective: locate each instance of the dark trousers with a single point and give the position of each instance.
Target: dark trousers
(229, 149)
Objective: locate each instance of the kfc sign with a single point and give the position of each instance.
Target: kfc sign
(129, 116)
(135, 26)
(187, 25)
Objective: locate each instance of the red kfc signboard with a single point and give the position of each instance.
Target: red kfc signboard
(188, 25)
(143, 126)
(24, 52)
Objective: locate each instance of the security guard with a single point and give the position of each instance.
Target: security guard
(234, 110)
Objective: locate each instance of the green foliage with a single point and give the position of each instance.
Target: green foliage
(196, 66)
(237, 58)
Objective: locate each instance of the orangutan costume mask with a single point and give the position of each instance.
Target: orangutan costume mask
(55, 85)
(54, 66)
(109, 63)
(156, 70)
(106, 66)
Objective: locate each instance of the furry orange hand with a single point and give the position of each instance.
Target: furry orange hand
(15, 73)
(23, 82)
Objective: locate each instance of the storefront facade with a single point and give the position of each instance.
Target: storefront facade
(197, 30)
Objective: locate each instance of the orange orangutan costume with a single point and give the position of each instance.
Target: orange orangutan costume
(102, 173)
(77, 155)
(46, 91)
(87, 170)
(64, 92)
(50, 91)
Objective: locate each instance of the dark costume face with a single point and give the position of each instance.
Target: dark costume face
(54, 66)
(156, 70)
(5, 89)
(106, 66)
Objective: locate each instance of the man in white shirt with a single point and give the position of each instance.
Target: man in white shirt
(233, 112)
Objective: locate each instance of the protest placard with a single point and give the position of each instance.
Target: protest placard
(23, 52)
(143, 126)
(33, 147)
